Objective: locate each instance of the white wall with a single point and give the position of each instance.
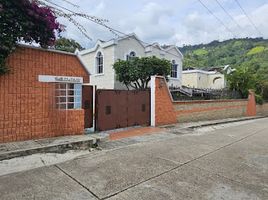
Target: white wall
(219, 83)
(105, 80)
(171, 56)
(203, 80)
(125, 46)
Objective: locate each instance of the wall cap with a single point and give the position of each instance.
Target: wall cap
(209, 101)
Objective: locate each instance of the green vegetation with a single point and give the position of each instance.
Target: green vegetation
(137, 72)
(248, 56)
(28, 21)
(256, 50)
(69, 45)
(200, 52)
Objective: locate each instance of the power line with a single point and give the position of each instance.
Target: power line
(216, 18)
(231, 17)
(252, 23)
(99, 22)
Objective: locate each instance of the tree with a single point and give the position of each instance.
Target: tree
(25, 20)
(69, 45)
(35, 21)
(241, 80)
(136, 72)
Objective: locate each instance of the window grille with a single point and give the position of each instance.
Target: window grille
(68, 96)
(174, 69)
(99, 63)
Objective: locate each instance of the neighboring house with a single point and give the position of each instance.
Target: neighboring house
(203, 79)
(100, 59)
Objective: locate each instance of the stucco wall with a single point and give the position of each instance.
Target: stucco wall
(218, 83)
(27, 106)
(107, 79)
(171, 56)
(125, 46)
(203, 80)
(189, 80)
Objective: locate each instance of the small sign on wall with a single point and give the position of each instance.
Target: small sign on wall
(60, 79)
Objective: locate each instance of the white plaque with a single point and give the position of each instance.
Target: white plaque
(60, 79)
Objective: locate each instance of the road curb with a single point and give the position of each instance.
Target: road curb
(226, 122)
(83, 144)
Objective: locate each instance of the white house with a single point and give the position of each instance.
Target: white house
(203, 79)
(100, 59)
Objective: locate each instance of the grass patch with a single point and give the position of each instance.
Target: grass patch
(255, 50)
(200, 52)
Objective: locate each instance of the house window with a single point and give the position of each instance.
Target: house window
(68, 96)
(99, 63)
(131, 55)
(174, 69)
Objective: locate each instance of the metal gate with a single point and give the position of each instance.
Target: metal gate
(87, 105)
(121, 108)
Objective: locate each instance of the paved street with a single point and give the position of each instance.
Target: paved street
(221, 162)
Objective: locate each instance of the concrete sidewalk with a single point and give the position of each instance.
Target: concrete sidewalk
(62, 144)
(49, 145)
(226, 163)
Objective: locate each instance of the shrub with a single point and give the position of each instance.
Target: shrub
(259, 99)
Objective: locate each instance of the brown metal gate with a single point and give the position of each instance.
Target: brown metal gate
(121, 108)
(87, 105)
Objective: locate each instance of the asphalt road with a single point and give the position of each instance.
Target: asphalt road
(224, 162)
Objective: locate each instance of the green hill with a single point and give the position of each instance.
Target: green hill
(234, 52)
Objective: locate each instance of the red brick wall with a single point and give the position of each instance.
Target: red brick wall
(189, 111)
(168, 112)
(164, 110)
(27, 107)
(262, 109)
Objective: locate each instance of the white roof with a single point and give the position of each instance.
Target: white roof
(199, 71)
(104, 44)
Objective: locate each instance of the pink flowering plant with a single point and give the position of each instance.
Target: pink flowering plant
(25, 20)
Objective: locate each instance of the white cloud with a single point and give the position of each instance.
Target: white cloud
(179, 22)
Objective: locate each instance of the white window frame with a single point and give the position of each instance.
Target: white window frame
(174, 69)
(99, 65)
(64, 99)
(129, 56)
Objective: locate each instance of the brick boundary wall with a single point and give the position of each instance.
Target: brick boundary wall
(210, 110)
(161, 103)
(262, 109)
(165, 111)
(27, 106)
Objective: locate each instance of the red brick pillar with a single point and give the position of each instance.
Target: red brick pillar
(251, 106)
(162, 110)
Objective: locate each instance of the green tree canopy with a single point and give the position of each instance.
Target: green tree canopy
(241, 80)
(69, 45)
(136, 72)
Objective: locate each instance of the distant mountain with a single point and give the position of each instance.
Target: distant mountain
(251, 52)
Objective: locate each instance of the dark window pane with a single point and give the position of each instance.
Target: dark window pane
(143, 107)
(62, 106)
(108, 110)
(70, 105)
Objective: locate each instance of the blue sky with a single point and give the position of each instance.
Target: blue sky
(169, 22)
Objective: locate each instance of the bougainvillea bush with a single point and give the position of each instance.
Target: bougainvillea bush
(25, 20)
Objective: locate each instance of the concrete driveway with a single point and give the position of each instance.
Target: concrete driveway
(221, 162)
